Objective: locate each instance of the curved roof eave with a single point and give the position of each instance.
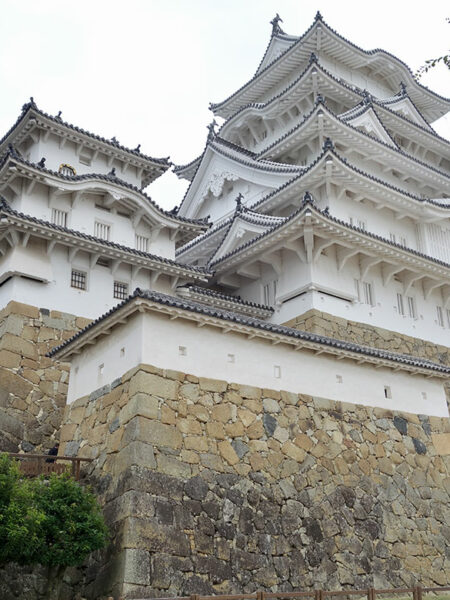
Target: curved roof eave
(108, 179)
(30, 109)
(260, 81)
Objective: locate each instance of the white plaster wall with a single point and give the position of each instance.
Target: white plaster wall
(55, 156)
(110, 358)
(58, 294)
(208, 353)
(323, 275)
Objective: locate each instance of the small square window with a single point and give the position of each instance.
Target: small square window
(78, 280)
(120, 290)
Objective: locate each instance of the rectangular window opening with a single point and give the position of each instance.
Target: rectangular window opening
(387, 392)
(277, 371)
(400, 306)
(78, 279)
(142, 243)
(120, 290)
(440, 316)
(59, 217)
(102, 231)
(182, 350)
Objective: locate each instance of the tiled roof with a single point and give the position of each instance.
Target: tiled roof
(367, 135)
(108, 177)
(298, 43)
(32, 107)
(309, 203)
(5, 208)
(345, 162)
(237, 299)
(240, 319)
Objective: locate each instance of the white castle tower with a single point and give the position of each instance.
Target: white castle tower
(328, 189)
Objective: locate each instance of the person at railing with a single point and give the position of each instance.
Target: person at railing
(53, 452)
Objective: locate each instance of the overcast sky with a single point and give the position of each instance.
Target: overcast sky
(145, 71)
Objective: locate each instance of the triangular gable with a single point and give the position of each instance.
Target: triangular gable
(276, 47)
(406, 108)
(369, 122)
(245, 226)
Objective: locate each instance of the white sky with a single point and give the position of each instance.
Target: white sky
(145, 71)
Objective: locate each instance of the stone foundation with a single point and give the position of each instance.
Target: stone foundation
(368, 335)
(33, 388)
(212, 487)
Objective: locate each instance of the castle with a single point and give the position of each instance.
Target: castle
(260, 374)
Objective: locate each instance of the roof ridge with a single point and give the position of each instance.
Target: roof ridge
(4, 206)
(31, 105)
(111, 177)
(191, 306)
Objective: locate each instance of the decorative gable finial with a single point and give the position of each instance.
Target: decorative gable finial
(403, 88)
(138, 148)
(320, 99)
(112, 173)
(58, 116)
(238, 201)
(308, 198)
(367, 97)
(275, 24)
(212, 130)
(328, 144)
(41, 163)
(30, 104)
(318, 16)
(313, 58)
(114, 140)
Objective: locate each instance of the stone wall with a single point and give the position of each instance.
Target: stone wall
(213, 487)
(33, 388)
(368, 335)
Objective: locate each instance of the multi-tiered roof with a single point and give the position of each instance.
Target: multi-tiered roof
(322, 126)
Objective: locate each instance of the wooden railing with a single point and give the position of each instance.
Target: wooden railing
(32, 465)
(370, 593)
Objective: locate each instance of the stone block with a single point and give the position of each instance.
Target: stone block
(293, 451)
(11, 425)
(141, 405)
(26, 310)
(222, 412)
(67, 432)
(136, 567)
(155, 385)
(212, 385)
(14, 384)
(249, 391)
(227, 452)
(18, 345)
(174, 466)
(135, 454)
(271, 406)
(441, 443)
(152, 432)
(198, 443)
(246, 416)
(8, 359)
(215, 430)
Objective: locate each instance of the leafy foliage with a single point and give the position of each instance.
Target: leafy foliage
(52, 522)
(432, 62)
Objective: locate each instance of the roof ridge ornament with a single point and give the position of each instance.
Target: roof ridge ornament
(367, 97)
(313, 58)
(403, 91)
(320, 99)
(238, 201)
(212, 130)
(318, 16)
(275, 25)
(30, 104)
(328, 144)
(138, 148)
(41, 163)
(112, 173)
(307, 198)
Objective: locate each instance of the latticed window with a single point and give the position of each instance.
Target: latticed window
(78, 279)
(120, 290)
(440, 316)
(142, 243)
(101, 230)
(66, 170)
(59, 217)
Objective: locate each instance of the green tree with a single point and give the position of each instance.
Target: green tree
(432, 62)
(53, 522)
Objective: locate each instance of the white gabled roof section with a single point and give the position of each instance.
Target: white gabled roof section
(406, 108)
(320, 37)
(368, 121)
(220, 163)
(246, 226)
(278, 44)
